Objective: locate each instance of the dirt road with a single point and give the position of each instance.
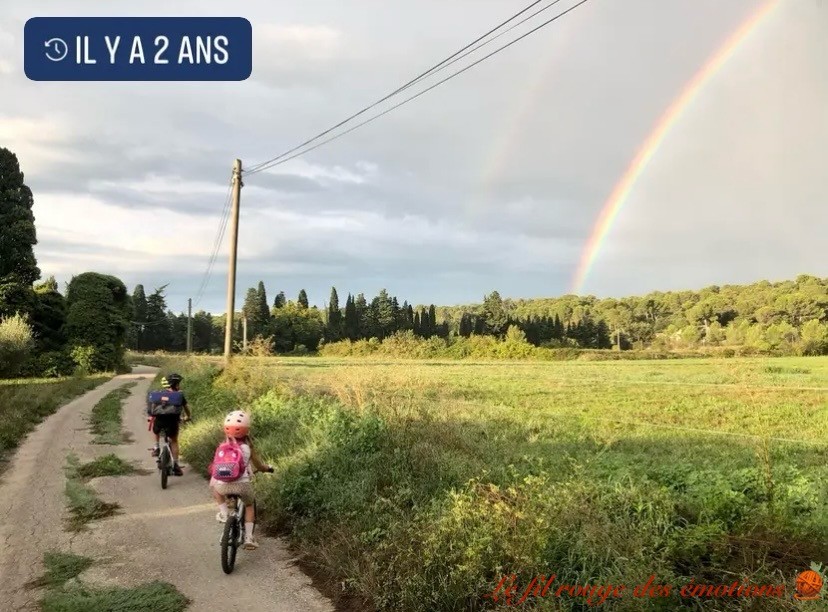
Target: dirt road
(166, 535)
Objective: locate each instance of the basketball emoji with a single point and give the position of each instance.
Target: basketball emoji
(808, 585)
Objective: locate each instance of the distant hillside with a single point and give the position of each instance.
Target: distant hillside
(714, 314)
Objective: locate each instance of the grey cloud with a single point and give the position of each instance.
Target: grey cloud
(519, 153)
(285, 183)
(60, 247)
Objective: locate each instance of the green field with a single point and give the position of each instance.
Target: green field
(416, 485)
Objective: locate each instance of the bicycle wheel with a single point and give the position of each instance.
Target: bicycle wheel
(164, 465)
(229, 543)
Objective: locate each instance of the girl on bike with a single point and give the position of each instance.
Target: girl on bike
(237, 427)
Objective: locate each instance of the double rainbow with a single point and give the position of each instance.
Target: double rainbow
(648, 149)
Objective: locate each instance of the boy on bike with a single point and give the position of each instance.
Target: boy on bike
(170, 422)
(237, 429)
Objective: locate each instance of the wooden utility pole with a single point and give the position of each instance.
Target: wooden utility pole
(231, 271)
(190, 325)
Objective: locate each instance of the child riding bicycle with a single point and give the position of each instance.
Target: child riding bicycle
(169, 421)
(237, 430)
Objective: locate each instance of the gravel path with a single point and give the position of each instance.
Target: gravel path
(166, 535)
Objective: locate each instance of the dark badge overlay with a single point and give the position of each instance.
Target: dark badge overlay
(138, 49)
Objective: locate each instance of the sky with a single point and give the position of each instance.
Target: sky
(494, 180)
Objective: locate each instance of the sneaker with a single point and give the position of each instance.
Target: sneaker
(221, 517)
(250, 543)
(177, 470)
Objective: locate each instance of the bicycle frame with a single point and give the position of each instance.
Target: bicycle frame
(165, 444)
(235, 522)
(236, 507)
(232, 534)
(239, 510)
(165, 450)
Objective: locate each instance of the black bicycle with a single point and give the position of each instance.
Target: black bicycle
(233, 535)
(165, 462)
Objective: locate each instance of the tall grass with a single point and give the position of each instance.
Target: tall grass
(106, 419)
(16, 341)
(415, 486)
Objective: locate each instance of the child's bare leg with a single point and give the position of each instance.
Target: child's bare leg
(249, 525)
(222, 504)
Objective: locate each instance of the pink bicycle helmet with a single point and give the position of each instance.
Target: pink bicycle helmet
(237, 424)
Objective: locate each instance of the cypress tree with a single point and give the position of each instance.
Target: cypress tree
(558, 328)
(157, 330)
(465, 325)
(137, 335)
(383, 315)
(18, 267)
(333, 331)
(363, 318)
(263, 311)
(396, 318)
(351, 319)
(17, 227)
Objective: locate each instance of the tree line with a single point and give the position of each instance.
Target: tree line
(294, 325)
(791, 316)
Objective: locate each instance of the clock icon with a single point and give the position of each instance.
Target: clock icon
(56, 49)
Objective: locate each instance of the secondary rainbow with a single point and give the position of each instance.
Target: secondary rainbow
(650, 146)
(527, 104)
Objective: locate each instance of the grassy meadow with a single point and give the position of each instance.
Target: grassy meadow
(415, 485)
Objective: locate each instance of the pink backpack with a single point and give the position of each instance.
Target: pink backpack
(228, 462)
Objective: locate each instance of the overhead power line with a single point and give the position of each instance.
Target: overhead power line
(216, 246)
(451, 59)
(484, 43)
(205, 281)
(281, 159)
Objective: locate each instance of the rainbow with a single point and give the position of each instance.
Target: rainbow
(657, 136)
(511, 134)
